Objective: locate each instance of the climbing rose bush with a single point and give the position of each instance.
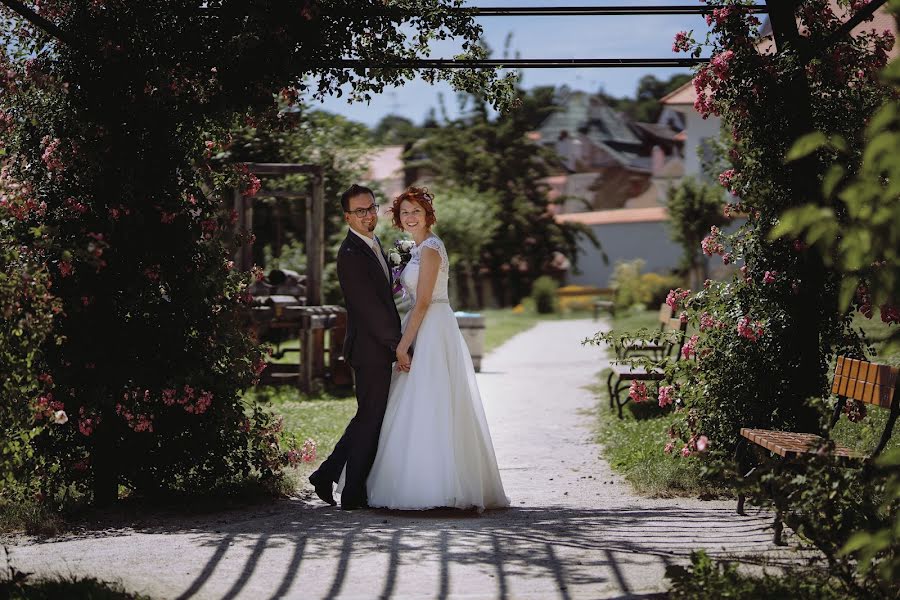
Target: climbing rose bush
(765, 337)
(110, 183)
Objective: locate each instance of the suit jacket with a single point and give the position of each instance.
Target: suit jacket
(373, 324)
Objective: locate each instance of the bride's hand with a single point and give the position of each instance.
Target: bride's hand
(403, 359)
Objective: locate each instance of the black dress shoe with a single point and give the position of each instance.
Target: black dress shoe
(323, 487)
(353, 505)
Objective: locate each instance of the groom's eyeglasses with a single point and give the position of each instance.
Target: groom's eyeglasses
(362, 212)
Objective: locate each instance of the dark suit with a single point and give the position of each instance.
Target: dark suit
(373, 332)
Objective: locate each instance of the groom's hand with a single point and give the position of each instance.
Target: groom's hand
(403, 359)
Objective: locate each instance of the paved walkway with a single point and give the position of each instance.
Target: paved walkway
(575, 530)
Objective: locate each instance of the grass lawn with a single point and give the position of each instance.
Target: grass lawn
(321, 418)
(634, 445)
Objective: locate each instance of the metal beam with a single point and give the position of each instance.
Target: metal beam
(569, 11)
(39, 21)
(531, 11)
(862, 14)
(517, 63)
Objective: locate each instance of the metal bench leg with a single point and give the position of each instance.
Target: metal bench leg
(778, 526)
(744, 469)
(620, 387)
(609, 388)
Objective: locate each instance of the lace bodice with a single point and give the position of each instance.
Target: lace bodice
(410, 276)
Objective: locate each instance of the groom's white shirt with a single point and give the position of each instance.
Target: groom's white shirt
(373, 244)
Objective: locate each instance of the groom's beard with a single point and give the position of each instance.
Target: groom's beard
(371, 227)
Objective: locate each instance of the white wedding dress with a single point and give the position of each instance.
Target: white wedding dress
(435, 448)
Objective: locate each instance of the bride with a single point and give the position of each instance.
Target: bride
(435, 448)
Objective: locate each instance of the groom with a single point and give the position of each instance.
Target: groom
(373, 332)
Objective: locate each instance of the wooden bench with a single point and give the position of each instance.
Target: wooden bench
(625, 374)
(854, 379)
(655, 347)
(607, 305)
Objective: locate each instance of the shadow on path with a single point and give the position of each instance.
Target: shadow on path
(568, 548)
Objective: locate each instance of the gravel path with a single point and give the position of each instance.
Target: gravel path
(575, 530)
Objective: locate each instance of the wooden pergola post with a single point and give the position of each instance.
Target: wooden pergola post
(310, 361)
(315, 220)
(315, 239)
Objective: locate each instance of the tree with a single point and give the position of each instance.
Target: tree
(108, 126)
(467, 220)
(694, 208)
(857, 231)
(496, 157)
(645, 106)
(394, 130)
(780, 319)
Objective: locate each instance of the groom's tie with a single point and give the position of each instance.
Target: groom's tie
(376, 248)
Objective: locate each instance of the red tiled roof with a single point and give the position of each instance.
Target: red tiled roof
(616, 216)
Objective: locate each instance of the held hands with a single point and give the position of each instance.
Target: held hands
(403, 359)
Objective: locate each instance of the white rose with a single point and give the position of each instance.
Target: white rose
(394, 257)
(407, 245)
(60, 417)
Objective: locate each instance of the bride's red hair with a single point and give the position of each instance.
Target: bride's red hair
(420, 196)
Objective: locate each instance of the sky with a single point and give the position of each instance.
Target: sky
(547, 37)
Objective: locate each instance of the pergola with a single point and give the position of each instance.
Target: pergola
(784, 28)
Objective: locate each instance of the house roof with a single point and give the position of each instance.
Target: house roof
(616, 216)
(656, 130)
(683, 95)
(586, 113)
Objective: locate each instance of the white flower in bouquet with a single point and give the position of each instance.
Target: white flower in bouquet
(60, 417)
(406, 245)
(395, 258)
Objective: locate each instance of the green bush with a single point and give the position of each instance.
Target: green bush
(634, 288)
(543, 292)
(706, 578)
(27, 406)
(657, 287)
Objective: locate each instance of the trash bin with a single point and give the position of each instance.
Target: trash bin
(471, 325)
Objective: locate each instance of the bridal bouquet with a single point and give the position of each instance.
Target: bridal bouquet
(399, 257)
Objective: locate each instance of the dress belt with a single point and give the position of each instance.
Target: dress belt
(439, 301)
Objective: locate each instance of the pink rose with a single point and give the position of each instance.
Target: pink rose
(690, 347)
(638, 391)
(702, 443)
(750, 330)
(666, 395)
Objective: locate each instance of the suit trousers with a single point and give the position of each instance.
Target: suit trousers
(357, 447)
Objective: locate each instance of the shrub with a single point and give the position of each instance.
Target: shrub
(27, 404)
(543, 292)
(634, 288)
(576, 298)
(657, 287)
(706, 578)
(626, 283)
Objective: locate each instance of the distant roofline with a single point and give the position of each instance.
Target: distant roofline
(617, 216)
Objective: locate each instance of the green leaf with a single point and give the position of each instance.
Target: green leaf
(806, 145)
(883, 119)
(848, 289)
(832, 178)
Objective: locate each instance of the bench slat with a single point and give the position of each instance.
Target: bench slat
(790, 444)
